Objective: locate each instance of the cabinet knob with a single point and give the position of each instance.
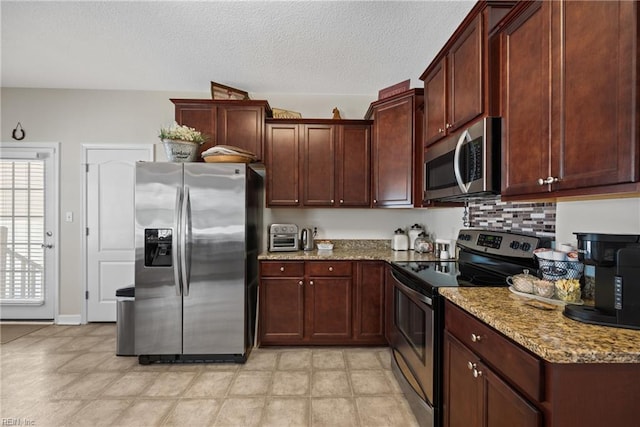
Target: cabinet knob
(449, 126)
(300, 283)
(296, 200)
(477, 373)
(281, 268)
(475, 338)
(331, 200)
(471, 366)
(330, 268)
(375, 201)
(341, 201)
(311, 282)
(440, 130)
(547, 180)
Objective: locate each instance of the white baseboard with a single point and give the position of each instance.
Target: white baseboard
(68, 319)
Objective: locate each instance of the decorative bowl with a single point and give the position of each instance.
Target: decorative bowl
(325, 246)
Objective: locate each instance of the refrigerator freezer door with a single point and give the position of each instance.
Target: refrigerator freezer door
(214, 309)
(158, 303)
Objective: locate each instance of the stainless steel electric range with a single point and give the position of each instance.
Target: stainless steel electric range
(485, 258)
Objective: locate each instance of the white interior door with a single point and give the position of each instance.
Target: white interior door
(28, 230)
(110, 226)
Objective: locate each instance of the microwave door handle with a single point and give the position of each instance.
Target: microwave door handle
(175, 243)
(185, 241)
(464, 187)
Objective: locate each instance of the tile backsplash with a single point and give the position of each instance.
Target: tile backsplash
(525, 217)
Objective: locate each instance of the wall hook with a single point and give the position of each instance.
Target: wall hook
(18, 133)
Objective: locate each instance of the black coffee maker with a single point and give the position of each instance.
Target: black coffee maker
(616, 260)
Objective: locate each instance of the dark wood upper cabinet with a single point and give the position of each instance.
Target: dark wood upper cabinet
(569, 98)
(457, 82)
(396, 144)
(318, 163)
(353, 165)
(226, 122)
(282, 163)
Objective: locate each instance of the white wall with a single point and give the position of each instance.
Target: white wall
(76, 117)
(616, 216)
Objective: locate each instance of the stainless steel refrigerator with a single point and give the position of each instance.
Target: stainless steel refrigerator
(198, 234)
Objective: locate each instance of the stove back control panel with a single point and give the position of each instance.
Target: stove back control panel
(501, 243)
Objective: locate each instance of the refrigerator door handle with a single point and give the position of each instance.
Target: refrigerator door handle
(175, 251)
(185, 241)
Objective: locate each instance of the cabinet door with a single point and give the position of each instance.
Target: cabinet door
(435, 93)
(504, 406)
(283, 183)
(318, 165)
(198, 116)
(463, 393)
(329, 309)
(526, 101)
(282, 310)
(465, 67)
(393, 154)
(353, 163)
(369, 302)
(241, 126)
(594, 137)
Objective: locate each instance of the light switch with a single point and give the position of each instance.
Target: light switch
(69, 216)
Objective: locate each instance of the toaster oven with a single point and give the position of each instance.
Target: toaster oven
(283, 238)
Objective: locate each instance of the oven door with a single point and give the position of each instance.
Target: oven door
(412, 343)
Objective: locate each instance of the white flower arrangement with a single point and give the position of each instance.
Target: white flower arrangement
(182, 133)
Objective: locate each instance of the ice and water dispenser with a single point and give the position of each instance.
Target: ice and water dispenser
(158, 244)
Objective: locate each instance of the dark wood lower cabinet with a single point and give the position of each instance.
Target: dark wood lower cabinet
(321, 302)
(474, 395)
(491, 381)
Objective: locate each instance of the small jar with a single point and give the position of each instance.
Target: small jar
(423, 243)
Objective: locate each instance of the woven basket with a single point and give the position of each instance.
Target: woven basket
(556, 270)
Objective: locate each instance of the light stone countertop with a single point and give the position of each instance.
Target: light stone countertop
(379, 250)
(547, 333)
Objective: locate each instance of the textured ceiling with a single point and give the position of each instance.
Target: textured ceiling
(312, 47)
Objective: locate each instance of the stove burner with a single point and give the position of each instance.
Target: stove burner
(480, 280)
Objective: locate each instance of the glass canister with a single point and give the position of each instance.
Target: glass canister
(423, 243)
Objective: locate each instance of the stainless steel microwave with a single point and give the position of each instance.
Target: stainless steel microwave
(466, 165)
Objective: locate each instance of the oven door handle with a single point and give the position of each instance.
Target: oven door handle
(404, 288)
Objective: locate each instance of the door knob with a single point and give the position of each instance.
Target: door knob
(547, 180)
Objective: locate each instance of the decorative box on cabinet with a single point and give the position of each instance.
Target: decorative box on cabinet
(457, 83)
(226, 122)
(397, 151)
(575, 64)
(318, 163)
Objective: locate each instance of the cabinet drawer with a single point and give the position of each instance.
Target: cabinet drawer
(522, 368)
(328, 268)
(282, 268)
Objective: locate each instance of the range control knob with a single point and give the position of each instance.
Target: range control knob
(526, 247)
(514, 245)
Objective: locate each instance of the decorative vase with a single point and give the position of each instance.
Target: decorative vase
(180, 151)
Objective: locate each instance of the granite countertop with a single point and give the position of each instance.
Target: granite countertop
(379, 250)
(547, 333)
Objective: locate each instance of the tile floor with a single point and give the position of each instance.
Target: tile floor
(70, 376)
